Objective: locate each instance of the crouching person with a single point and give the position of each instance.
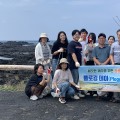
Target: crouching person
(37, 82)
(62, 82)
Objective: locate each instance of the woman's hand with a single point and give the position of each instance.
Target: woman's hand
(49, 71)
(57, 90)
(48, 61)
(61, 50)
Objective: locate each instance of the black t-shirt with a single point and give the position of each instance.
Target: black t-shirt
(74, 47)
(34, 81)
(57, 46)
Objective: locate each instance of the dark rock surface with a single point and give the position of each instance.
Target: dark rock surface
(1, 43)
(16, 106)
(22, 54)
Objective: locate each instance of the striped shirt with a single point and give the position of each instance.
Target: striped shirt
(45, 51)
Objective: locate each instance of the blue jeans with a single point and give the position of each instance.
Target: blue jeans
(75, 75)
(66, 89)
(54, 66)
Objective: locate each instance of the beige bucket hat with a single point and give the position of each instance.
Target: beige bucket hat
(63, 60)
(43, 35)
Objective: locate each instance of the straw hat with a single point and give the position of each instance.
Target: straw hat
(63, 60)
(43, 35)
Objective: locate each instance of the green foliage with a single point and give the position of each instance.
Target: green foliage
(18, 87)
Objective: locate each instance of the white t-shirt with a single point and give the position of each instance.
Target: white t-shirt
(83, 43)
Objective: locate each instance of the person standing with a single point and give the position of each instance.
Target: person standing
(102, 51)
(101, 55)
(83, 40)
(75, 57)
(88, 59)
(42, 51)
(83, 37)
(115, 59)
(89, 49)
(59, 49)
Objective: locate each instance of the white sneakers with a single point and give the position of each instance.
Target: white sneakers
(33, 97)
(87, 93)
(95, 95)
(55, 94)
(61, 100)
(81, 95)
(76, 97)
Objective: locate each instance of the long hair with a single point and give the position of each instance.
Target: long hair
(93, 37)
(112, 37)
(36, 67)
(58, 37)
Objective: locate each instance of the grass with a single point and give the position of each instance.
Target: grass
(18, 87)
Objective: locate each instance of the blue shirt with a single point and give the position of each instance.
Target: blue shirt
(102, 54)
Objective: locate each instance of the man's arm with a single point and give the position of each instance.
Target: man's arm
(107, 61)
(74, 57)
(77, 64)
(96, 61)
(112, 59)
(112, 54)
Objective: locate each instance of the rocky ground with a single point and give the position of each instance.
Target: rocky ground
(16, 106)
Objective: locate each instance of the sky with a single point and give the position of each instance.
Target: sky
(26, 19)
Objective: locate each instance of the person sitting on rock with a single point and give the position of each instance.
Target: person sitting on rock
(62, 82)
(37, 82)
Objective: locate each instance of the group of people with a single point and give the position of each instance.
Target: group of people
(56, 68)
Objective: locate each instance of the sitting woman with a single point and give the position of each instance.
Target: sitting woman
(37, 82)
(63, 80)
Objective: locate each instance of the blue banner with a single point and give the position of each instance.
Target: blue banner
(100, 76)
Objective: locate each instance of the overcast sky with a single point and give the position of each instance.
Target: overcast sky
(26, 19)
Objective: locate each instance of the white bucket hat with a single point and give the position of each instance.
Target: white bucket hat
(43, 35)
(63, 60)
